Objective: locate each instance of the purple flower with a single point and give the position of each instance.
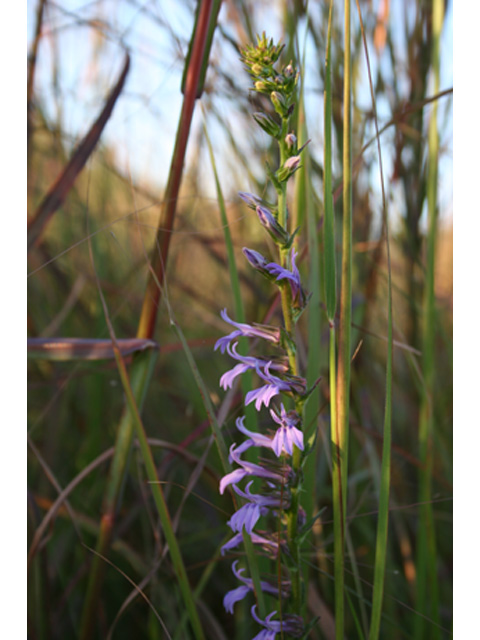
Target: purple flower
(274, 386)
(238, 594)
(289, 624)
(248, 362)
(254, 439)
(256, 331)
(256, 259)
(233, 596)
(250, 199)
(249, 469)
(287, 434)
(282, 500)
(298, 294)
(247, 516)
(265, 543)
(270, 223)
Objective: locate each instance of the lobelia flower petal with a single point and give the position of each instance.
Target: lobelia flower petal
(257, 439)
(256, 259)
(247, 516)
(250, 199)
(226, 381)
(241, 448)
(231, 597)
(232, 477)
(272, 334)
(285, 438)
(248, 469)
(265, 634)
(237, 539)
(253, 469)
(265, 586)
(262, 395)
(263, 501)
(291, 624)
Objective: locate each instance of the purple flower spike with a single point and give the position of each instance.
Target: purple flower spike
(256, 331)
(291, 624)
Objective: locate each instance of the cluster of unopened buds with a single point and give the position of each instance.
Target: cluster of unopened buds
(276, 474)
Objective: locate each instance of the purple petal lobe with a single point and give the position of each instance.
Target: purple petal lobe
(231, 597)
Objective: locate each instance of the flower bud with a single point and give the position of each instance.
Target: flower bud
(250, 199)
(257, 69)
(291, 140)
(260, 86)
(256, 260)
(268, 221)
(280, 104)
(268, 124)
(288, 169)
(292, 163)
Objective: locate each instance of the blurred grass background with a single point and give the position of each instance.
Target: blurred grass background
(74, 407)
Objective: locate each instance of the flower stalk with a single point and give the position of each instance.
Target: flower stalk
(270, 515)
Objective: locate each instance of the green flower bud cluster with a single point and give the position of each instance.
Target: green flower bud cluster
(278, 82)
(267, 79)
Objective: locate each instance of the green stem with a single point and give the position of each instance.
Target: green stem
(427, 580)
(286, 299)
(383, 511)
(341, 428)
(161, 504)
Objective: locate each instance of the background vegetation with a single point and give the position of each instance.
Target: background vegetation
(98, 236)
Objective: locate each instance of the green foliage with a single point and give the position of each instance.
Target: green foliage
(75, 407)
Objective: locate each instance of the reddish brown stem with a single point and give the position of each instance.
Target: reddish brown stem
(153, 292)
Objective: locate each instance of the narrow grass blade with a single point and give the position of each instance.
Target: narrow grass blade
(151, 471)
(247, 378)
(142, 368)
(63, 349)
(57, 194)
(383, 512)
(304, 197)
(330, 274)
(142, 372)
(341, 427)
(32, 65)
(427, 580)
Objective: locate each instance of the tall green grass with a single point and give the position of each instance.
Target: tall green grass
(120, 451)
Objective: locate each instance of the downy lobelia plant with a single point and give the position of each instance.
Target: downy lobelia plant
(271, 515)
